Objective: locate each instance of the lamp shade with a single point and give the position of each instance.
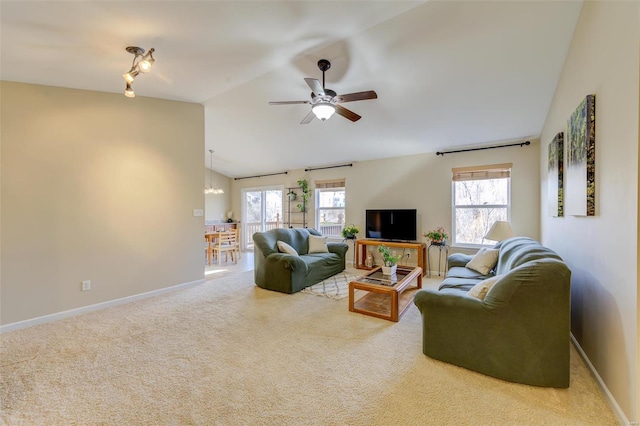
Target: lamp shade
(323, 110)
(500, 230)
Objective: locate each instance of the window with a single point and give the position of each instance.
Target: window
(330, 207)
(481, 195)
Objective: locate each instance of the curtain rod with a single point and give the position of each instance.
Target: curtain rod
(328, 167)
(521, 144)
(259, 176)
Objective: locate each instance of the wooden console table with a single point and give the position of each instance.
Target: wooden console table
(361, 251)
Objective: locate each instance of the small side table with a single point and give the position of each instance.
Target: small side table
(353, 241)
(441, 248)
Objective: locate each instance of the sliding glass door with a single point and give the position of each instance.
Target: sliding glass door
(261, 211)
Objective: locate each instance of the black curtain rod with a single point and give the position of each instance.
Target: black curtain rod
(521, 144)
(259, 176)
(328, 167)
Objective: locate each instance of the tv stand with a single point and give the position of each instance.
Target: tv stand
(361, 251)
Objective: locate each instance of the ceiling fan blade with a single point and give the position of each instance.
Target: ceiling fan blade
(348, 114)
(315, 86)
(308, 118)
(358, 96)
(289, 102)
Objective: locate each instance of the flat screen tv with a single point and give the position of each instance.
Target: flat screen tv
(391, 224)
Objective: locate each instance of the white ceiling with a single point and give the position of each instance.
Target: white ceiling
(447, 73)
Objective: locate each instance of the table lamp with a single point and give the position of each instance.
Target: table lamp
(500, 230)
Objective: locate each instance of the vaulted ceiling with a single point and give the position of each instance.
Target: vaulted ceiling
(447, 73)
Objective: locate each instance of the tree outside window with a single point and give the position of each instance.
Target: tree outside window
(480, 198)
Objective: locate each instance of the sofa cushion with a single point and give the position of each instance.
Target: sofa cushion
(480, 290)
(286, 248)
(461, 285)
(462, 272)
(484, 261)
(317, 244)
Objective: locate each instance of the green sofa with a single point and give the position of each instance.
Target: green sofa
(288, 273)
(519, 332)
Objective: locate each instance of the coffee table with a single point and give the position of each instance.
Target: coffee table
(385, 296)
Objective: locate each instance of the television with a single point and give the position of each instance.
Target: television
(391, 224)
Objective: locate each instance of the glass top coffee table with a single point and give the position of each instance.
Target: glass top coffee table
(384, 296)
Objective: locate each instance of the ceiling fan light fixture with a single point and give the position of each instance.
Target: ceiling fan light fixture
(323, 110)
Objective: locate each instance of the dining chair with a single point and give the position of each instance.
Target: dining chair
(226, 244)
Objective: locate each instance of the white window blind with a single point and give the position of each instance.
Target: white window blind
(330, 183)
(495, 171)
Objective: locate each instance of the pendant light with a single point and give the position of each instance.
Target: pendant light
(211, 189)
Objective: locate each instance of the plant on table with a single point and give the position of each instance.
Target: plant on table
(387, 257)
(350, 231)
(437, 236)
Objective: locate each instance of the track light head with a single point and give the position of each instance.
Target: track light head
(129, 93)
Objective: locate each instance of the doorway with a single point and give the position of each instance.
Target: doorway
(261, 211)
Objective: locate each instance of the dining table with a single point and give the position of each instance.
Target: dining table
(211, 238)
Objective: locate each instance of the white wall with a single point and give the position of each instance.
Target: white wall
(422, 182)
(100, 187)
(602, 251)
(216, 206)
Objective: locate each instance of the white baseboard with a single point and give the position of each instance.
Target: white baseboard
(622, 419)
(77, 311)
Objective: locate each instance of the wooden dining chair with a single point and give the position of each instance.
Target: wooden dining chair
(238, 245)
(226, 244)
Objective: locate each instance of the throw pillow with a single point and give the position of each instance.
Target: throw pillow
(480, 290)
(318, 244)
(286, 248)
(484, 261)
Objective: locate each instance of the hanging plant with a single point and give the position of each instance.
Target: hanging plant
(304, 186)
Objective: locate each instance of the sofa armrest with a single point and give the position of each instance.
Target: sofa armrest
(286, 261)
(459, 259)
(338, 248)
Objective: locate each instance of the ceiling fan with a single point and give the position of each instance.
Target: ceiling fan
(324, 102)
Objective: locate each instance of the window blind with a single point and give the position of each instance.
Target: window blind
(495, 171)
(330, 183)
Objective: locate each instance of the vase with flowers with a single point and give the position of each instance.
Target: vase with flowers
(437, 237)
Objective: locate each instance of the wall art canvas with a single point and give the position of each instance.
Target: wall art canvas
(556, 176)
(580, 165)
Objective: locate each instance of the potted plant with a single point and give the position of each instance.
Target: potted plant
(304, 186)
(292, 194)
(390, 261)
(438, 236)
(349, 232)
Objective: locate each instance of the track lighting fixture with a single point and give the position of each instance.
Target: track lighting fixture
(141, 64)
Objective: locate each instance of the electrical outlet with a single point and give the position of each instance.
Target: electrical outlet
(86, 285)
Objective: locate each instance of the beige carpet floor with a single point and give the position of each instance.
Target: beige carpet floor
(229, 353)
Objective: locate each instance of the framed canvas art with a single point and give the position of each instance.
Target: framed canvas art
(580, 164)
(555, 176)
